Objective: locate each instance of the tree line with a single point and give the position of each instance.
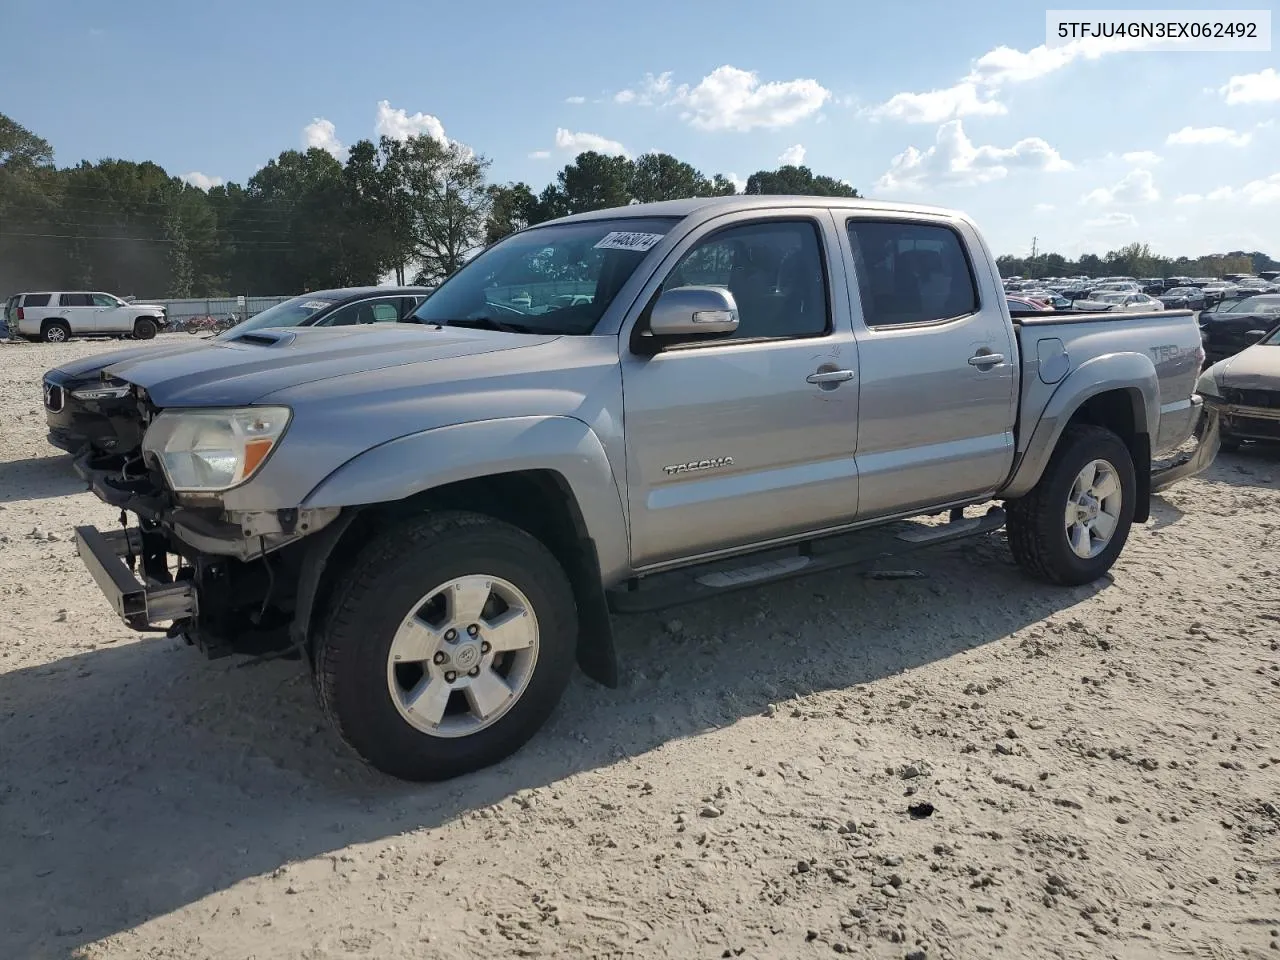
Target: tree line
(1135, 260)
(416, 208)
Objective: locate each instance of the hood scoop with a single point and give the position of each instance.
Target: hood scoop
(265, 338)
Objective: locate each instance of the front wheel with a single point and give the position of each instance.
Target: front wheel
(144, 328)
(1073, 524)
(447, 645)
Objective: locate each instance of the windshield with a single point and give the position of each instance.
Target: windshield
(1182, 292)
(291, 313)
(556, 279)
(1270, 305)
(1111, 297)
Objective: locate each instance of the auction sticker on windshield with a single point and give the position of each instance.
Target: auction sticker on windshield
(623, 240)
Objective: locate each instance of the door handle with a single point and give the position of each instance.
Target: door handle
(984, 359)
(830, 376)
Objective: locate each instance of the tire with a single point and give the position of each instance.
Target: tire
(364, 691)
(1039, 536)
(55, 331)
(144, 328)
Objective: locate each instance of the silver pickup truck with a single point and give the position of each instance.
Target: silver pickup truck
(613, 412)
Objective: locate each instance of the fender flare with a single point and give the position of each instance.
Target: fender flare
(1133, 373)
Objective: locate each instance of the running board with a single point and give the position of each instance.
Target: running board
(692, 584)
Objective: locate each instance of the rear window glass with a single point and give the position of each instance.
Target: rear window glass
(75, 300)
(36, 300)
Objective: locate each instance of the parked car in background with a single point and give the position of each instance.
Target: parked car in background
(1152, 285)
(1232, 326)
(57, 316)
(1244, 391)
(1051, 297)
(1112, 302)
(1027, 305)
(1184, 298)
(1215, 291)
(84, 407)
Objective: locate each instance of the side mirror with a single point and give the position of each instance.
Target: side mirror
(694, 311)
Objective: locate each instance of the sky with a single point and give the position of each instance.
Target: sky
(1083, 148)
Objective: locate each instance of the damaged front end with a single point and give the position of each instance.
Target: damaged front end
(227, 581)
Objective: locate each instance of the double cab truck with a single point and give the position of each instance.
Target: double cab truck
(612, 412)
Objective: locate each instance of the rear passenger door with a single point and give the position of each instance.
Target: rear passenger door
(938, 363)
(78, 310)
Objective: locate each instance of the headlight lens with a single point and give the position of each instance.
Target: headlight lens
(211, 450)
(106, 390)
(1207, 385)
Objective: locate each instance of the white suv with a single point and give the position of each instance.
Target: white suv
(57, 317)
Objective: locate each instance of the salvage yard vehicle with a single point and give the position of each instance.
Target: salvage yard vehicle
(1244, 391)
(441, 516)
(1233, 325)
(59, 316)
(84, 407)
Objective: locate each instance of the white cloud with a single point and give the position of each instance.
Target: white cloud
(1043, 208)
(1188, 198)
(975, 93)
(1198, 135)
(202, 180)
(954, 158)
(578, 142)
(1112, 220)
(1140, 157)
(575, 99)
(793, 156)
(540, 155)
(962, 100)
(1261, 87)
(323, 134)
(738, 183)
(1265, 190)
(399, 125)
(652, 89)
(1137, 186)
(732, 99)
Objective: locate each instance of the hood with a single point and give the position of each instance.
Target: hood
(241, 371)
(91, 366)
(148, 306)
(1255, 368)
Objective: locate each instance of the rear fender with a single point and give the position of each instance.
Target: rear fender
(1131, 373)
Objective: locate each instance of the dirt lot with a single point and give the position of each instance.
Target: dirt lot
(1103, 766)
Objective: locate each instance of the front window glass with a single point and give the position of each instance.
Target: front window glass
(105, 300)
(291, 313)
(557, 279)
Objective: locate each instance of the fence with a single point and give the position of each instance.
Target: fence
(212, 312)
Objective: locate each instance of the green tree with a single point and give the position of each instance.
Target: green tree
(512, 207)
(593, 181)
(796, 181)
(447, 202)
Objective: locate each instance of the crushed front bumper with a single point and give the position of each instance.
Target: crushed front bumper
(1208, 439)
(141, 605)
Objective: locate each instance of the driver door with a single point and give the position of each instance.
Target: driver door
(109, 315)
(734, 441)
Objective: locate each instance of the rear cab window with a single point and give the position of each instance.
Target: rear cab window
(911, 273)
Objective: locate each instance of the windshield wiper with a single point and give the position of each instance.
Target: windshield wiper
(489, 323)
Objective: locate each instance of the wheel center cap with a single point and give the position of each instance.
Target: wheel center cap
(467, 656)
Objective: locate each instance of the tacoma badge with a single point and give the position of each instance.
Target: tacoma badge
(713, 464)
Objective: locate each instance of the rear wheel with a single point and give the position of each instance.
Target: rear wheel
(1073, 524)
(144, 328)
(55, 331)
(447, 645)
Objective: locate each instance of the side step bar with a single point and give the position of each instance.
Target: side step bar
(862, 547)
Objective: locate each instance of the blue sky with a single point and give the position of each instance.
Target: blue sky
(958, 104)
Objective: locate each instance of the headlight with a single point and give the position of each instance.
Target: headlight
(102, 391)
(212, 450)
(1207, 385)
